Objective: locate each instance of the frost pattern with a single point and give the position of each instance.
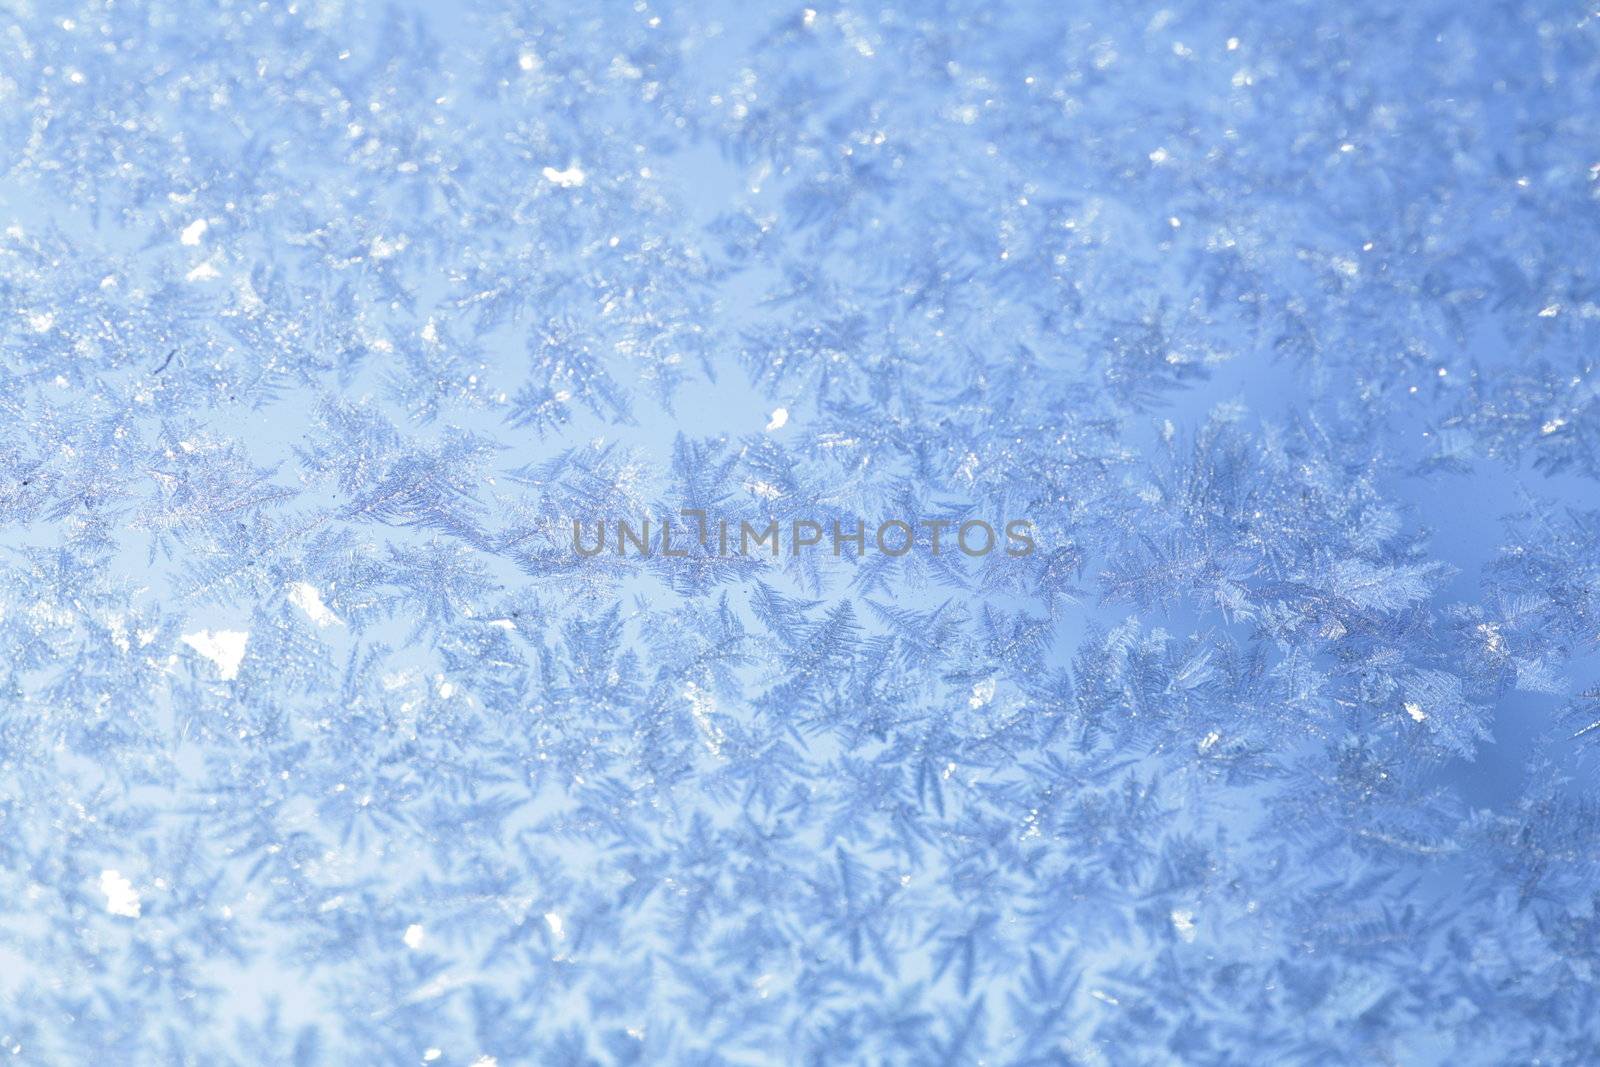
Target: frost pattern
(320, 322)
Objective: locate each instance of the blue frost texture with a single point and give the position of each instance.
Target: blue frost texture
(323, 321)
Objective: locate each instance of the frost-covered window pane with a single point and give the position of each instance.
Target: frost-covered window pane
(916, 533)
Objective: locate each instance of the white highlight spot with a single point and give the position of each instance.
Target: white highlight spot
(308, 599)
(194, 231)
(982, 693)
(414, 936)
(570, 178)
(780, 419)
(1183, 923)
(1414, 710)
(701, 706)
(225, 648)
(558, 929)
(527, 61)
(121, 897)
(382, 248)
(432, 1054)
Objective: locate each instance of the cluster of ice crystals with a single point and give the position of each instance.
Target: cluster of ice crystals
(320, 323)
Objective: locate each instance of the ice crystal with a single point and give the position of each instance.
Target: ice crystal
(321, 324)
